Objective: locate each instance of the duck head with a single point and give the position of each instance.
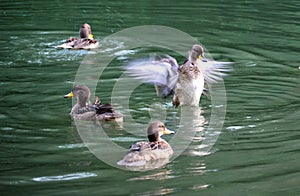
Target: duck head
(82, 93)
(156, 130)
(197, 53)
(86, 31)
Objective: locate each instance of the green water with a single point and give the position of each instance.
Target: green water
(257, 152)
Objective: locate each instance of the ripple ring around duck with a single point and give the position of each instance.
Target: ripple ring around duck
(124, 42)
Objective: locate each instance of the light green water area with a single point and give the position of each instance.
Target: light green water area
(257, 151)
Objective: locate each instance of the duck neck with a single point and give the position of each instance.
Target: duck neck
(82, 101)
(154, 137)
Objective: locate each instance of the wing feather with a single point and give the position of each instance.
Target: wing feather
(214, 71)
(163, 73)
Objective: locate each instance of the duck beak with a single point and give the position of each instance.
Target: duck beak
(202, 58)
(91, 36)
(168, 131)
(69, 95)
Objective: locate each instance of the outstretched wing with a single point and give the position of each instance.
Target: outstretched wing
(214, 71)
(163, 73)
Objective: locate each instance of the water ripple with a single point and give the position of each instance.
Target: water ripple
(64, 177)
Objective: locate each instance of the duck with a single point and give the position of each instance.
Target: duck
(86, 40)
(141, 153)
(84, 110)
(185, 82)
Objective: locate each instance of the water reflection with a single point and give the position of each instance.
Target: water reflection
(158, 191)
(200, 186)
(161, 175)
(64, 177)
(190, 127)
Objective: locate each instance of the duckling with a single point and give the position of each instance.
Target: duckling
(84, 110)
(186, 81)
(157, 148)
(86, 40)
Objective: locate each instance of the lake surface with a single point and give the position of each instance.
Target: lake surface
(257, 151)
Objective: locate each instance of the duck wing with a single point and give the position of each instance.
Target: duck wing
(214, 71)
(139, 146)
(162, 72)
(103, 108)
(69, 44)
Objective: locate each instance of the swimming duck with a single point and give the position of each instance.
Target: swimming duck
(186, 81)
(86, 40)
(84, 110)
(157, 148)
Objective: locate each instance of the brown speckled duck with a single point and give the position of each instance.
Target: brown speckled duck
(86, 40)
(186, 81)
(157, 148)
(84, 110)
